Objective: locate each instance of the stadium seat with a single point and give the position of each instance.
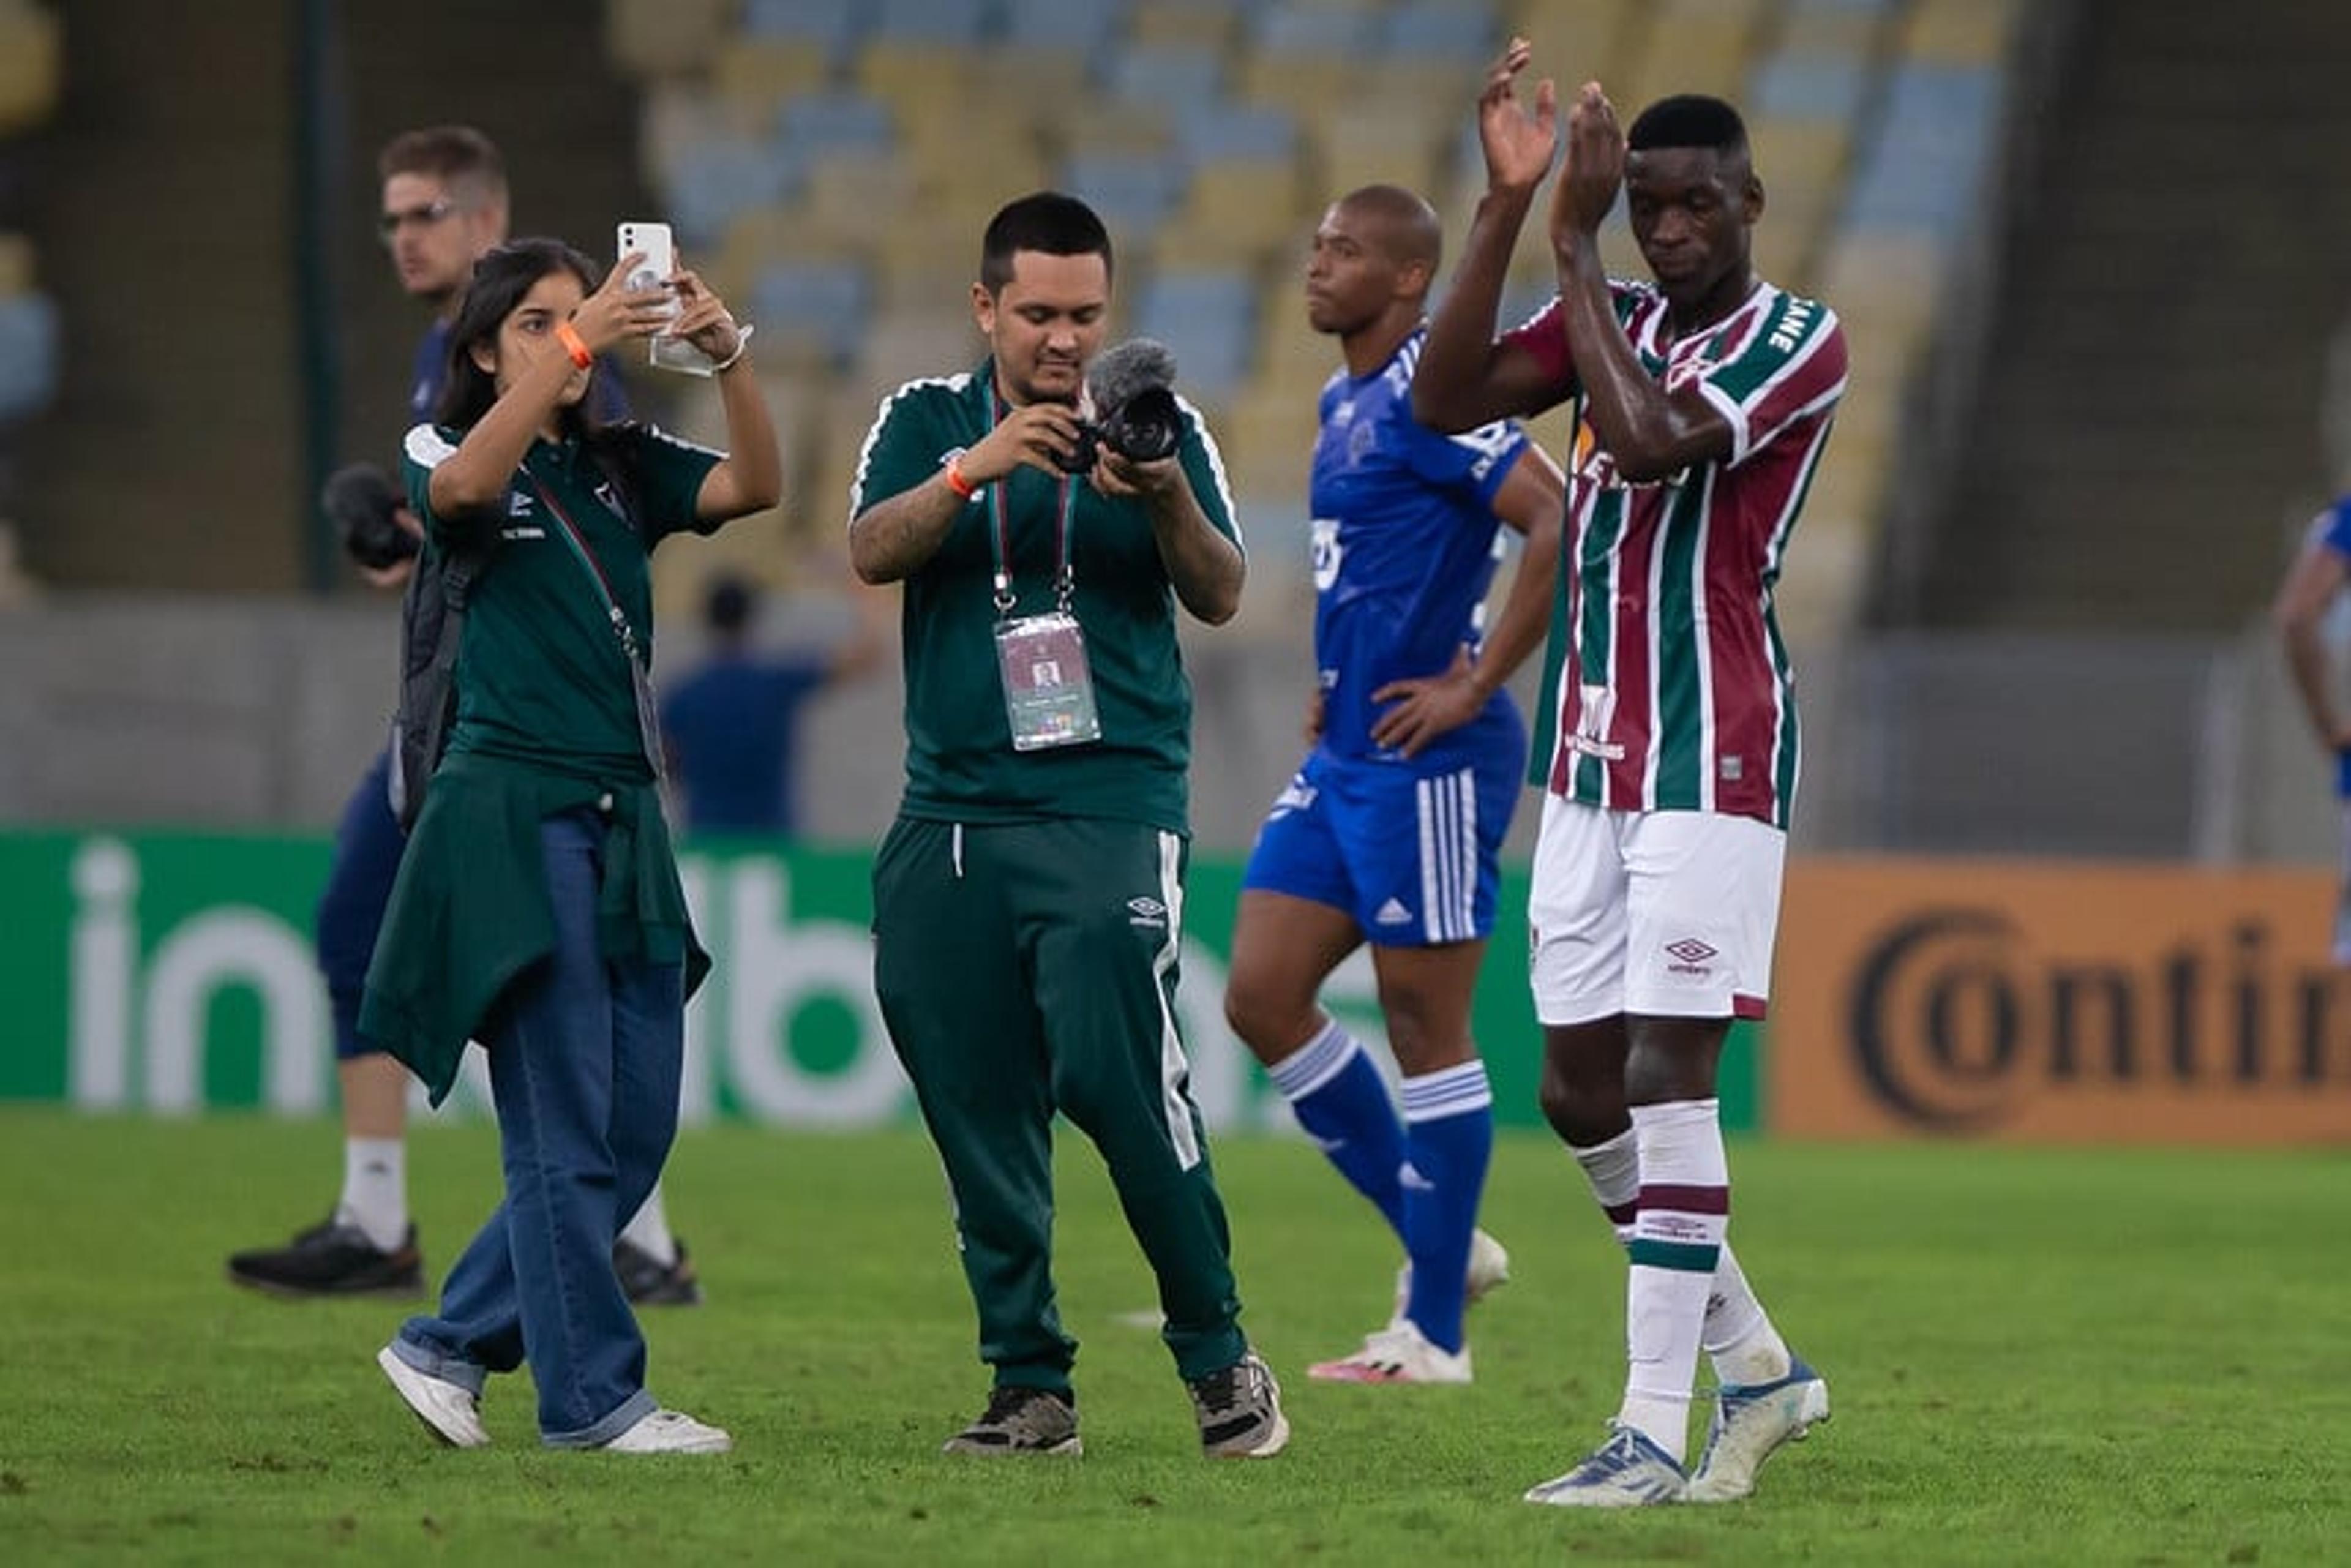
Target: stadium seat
(1959, 32)
(1806, 86)
(757, 76)
(815, 123)
(1134, 192)
(1084, 27)
(944, 24)
(1215, 24)
(836, 25)
(1462, 32)
(708, 181)
(1180, 74)
(1208, 319)
(809, 311)
(30, 344)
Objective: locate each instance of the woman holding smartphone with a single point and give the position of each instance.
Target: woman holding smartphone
(539, 908)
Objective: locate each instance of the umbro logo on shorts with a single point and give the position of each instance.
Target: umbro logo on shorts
(1147, 911)
(1690, 955)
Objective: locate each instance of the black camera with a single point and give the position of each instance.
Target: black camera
(360, 500)
(1136, 412)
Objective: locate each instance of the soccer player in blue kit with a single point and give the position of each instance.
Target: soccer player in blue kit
(1390, 829)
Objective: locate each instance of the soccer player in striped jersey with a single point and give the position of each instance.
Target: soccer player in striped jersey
(1703, 400)
(1389, 832)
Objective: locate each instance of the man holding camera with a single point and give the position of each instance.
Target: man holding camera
(444, 205)
(1029, 900)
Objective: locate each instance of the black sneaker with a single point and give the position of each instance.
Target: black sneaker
(332, 1260)
(1021, 1421)
(1240, 1411)
(649, 1283)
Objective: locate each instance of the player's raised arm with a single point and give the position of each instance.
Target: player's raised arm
(1466, 378)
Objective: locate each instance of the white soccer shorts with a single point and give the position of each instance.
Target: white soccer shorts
(1670, 913)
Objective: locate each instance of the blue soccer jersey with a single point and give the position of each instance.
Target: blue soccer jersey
(1406, 543)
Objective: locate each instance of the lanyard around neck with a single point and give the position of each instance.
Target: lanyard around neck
(999, 528)
(621, 629)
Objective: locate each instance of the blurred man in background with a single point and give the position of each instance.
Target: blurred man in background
(732, 725)
(1703, 403)
(444, 205)
(1391, 831)
(2314, 585)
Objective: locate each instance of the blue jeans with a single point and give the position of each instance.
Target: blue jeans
(584, 1063)
(368, 845)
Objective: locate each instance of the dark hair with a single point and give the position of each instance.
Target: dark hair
(1044, 221)
(1414, 231)
(503, 275)
(452, 154)
(1689, 119)
(729, 603)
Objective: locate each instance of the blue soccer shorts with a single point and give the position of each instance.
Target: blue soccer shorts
(1411, 850)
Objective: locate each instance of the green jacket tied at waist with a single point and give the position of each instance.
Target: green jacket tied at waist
(469, 911)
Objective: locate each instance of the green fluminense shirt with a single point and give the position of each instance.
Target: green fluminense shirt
(960, 764)
(546, 722)
(541, 678)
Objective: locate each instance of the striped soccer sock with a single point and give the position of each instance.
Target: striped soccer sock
(1448, 1136)
(1677, 1243)
(1336, 1092)
(1738, 1337)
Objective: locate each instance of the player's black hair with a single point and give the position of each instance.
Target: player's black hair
(1689, 119)
(1044, 221)
(730, 602)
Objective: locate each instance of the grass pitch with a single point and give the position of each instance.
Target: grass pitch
(2035, 1357)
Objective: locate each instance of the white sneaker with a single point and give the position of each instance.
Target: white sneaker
(669, 1432)
(449, 1411)
(1397, 1354)
(1489, 1270)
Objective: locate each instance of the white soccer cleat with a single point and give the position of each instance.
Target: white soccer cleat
(1397, 1354)
(1750, 1424)
(1628, 1471)
(669, 1432)
(1489, 1270)
(449, 1411)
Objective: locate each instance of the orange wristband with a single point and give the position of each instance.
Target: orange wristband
(574, 344)
(957, 482)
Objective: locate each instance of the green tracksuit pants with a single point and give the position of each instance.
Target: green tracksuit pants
(1029, 969)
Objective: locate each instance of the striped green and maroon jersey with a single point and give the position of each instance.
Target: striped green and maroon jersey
(1674, 692)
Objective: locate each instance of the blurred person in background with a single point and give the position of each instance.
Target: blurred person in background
(1028, 902)
(444, 205)
(1703, 403)
(1391, 831)
(2312, 587)
(733, 722)
(537, 907)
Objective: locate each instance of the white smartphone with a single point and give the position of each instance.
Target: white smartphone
(660, 260)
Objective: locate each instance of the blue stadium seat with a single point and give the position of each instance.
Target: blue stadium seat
(1462, 30)
(1132, 190)
(1209, 320)
(806, 306)
(828, 121)
(936, 21)
(707, 182)
(1084, 26)
(1922, 172)
(835, 23)
(1178, 74)
(1210, 132)
(1807, 86)
(28, 355)
(1321, 30)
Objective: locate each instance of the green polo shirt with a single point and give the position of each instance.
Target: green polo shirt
(541, 677)
(960, 764)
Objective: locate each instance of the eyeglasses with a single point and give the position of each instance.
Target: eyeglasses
(423, 217)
